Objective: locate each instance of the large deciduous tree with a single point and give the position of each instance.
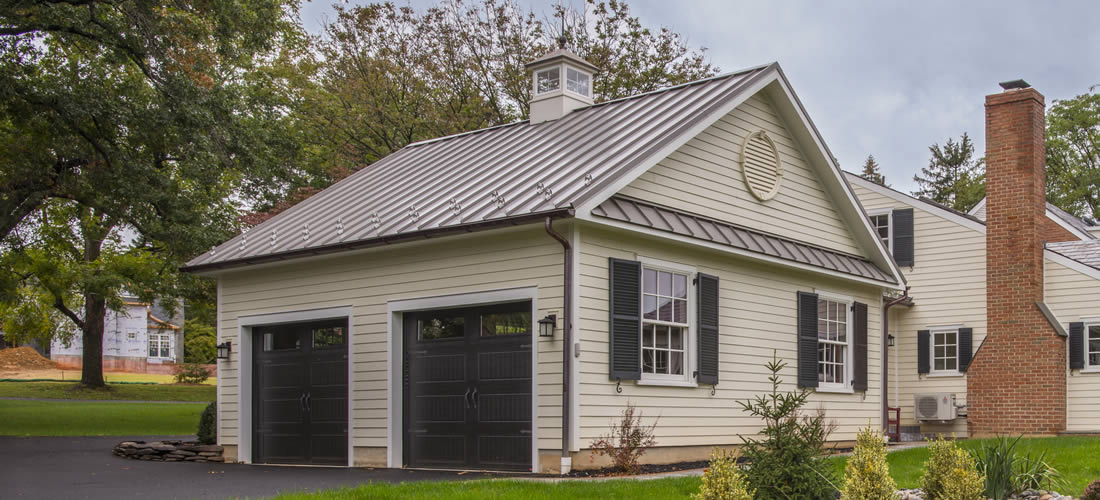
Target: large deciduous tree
(953, 176)
(1073, 155)
(130, 132)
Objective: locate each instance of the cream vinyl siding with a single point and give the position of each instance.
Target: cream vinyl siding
(476, 262)
(704, 177)
(948, 288)
(1072, 295)
(758, 310)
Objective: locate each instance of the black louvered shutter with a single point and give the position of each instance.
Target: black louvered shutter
(625, 293)
(807, 339)
(903, 236)
(859, 330)
(707, 289)
(966, 345)
(922, 352)
(1076, 346)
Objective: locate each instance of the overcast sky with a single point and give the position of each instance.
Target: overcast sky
(881, 77)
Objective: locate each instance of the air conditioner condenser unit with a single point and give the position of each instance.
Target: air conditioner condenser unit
(937, 406)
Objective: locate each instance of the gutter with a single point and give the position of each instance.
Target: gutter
(907, 301)
(567, 342)
(379, 241)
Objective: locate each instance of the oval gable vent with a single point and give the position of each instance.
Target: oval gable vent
(761, 166)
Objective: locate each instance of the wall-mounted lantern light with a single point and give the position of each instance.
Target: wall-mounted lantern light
(224, 349)
(546, 326)
(890, 340)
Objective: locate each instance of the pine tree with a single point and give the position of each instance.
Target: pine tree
(953, 176)
(871, 171)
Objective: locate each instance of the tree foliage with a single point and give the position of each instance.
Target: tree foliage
(953, 176)
(130, 132)
(871, 171)
(200, 342)
(1073, 155)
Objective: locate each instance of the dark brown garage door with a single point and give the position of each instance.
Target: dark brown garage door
(468, 388)
(300, 393)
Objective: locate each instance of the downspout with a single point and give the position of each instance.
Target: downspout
(567, 344)
(886, 355)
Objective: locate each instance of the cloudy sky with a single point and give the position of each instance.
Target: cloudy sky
(883, 77)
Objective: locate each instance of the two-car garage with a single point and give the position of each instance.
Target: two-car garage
(465, 379)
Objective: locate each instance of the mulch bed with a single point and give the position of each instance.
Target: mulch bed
(646, 469)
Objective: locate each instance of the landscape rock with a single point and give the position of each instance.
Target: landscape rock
(169, 451)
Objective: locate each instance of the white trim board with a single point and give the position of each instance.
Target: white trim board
(395, 348)
(1070, 263)
(916, 203)
(1065, 225)
(245, 323)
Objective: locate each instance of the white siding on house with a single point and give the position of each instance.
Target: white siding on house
(704, 177)
(757, 317)
(948, 288)
(366, 281)
(1072, 295)
(117, 325)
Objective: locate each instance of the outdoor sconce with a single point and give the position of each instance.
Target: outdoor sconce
(546, 326)
(224, 349)
(890, 340)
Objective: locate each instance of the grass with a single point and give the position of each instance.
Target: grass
(70, 390)
(1074, 457)
(108, 376)
(677, 487)
(49, 418)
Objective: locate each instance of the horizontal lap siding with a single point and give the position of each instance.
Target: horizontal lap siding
(947, 284)
(367, 281)
(1072, 295)
(704, 177)
(757, 312)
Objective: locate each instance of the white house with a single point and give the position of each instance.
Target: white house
(141, 337)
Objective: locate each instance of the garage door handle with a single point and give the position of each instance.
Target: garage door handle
(302, 402)
(467, 398)
(309, 402)
(475, 398)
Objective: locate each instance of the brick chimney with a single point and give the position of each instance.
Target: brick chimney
(1016, 383)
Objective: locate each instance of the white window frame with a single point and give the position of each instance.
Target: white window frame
(160, 339)
(932, 371)
(689, 342)
(1089, 367)
(586, 87)
(560, 80)
(889, 213)
(849, 350)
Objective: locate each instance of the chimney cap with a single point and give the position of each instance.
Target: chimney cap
(1014, 84)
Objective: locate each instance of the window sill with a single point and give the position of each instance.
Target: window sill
(946, 375)
(835, 390)
(669, 383)
(1092, 369)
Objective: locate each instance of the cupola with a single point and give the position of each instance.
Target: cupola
(561, 81)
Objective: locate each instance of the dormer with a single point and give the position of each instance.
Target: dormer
(560, 82)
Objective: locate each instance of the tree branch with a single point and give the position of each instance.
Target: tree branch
(59, 304)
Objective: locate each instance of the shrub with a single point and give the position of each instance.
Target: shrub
(1007, 473)
(950, 473)
(208, 424)
(1092, 491)
(627, 441)
(200, 342)
(867, 476)
(190, 373)
(786, 462)
(723, 479)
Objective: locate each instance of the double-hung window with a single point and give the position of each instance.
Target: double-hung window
(1092, 346)
(666, 325)
(834, 337)
(881, 224)
(159, 346)
(945, 350)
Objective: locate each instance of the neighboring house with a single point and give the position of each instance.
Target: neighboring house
(669, 244)
(141, 337)
(976, 284)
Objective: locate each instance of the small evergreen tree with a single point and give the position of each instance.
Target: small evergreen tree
(787, 462)
(871, 171)
(953, 176)
(867, 475)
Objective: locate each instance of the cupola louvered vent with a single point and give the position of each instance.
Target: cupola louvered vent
(761, 166)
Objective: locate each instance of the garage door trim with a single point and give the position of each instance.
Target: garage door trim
(241, 357)
(395, 347)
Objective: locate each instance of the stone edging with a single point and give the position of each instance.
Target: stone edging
(170, 451)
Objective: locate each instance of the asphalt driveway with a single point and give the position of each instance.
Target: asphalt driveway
(83, 468)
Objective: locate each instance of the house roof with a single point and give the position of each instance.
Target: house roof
(1076, 225)
(562, 54)
(499, 174)
(1086, 252)
(702, 228)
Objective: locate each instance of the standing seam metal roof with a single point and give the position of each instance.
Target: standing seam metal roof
(647, 214)
(497, 173)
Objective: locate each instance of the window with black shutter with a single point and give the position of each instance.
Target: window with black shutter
(859, 331)
(923, 364)
(903, 236)
(807, 339)
(1077, 346)
(707, 342)
(625, 296)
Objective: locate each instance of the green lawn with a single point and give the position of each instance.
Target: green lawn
(49, 418)
(1075, 457)
(679, 487)
(133, 392)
